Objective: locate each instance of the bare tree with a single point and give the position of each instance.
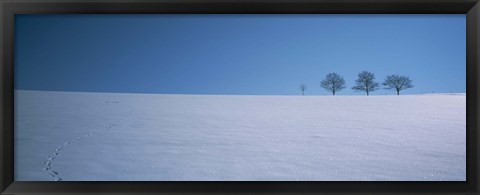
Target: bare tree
(333, 83)
(397, 82)
(303, 87)
(365, 82)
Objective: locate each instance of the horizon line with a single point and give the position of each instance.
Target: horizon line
(147, 93)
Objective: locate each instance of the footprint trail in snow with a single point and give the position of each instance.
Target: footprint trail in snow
(48, 163)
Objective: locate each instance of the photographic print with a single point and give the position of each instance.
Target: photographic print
(226, 97)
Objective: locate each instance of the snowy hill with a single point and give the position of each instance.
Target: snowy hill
(74, 136)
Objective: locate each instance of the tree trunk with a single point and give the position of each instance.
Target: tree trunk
(398, 92)
(333, 93)
(367, 93)
(302, 93)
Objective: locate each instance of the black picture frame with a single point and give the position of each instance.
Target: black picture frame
(9, 8)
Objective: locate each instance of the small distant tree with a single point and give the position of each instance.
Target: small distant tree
(303, 87)
(333, 83)
(397, 82)
(365, 82)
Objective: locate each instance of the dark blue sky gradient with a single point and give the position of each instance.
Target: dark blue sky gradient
(236, 54)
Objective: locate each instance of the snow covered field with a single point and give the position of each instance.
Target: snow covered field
(76, 136)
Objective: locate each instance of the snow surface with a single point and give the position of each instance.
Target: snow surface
(78, 136)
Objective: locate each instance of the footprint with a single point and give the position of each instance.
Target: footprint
(48, 164)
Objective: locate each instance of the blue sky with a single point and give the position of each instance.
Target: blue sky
(236, 54)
